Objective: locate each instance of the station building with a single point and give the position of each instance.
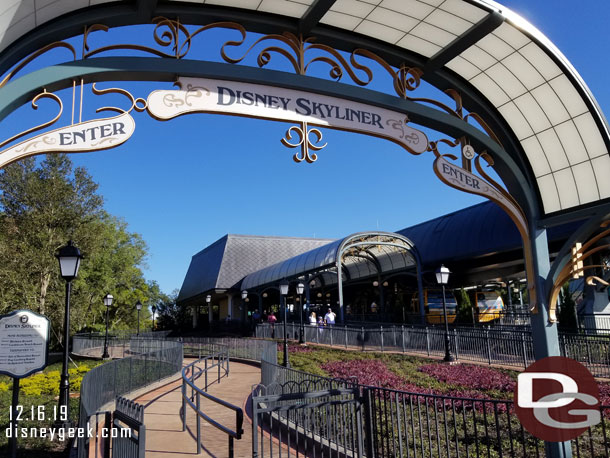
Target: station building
(382, 275)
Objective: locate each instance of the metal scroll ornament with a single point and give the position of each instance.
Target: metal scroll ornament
(576, 267)
(306, 145)
(463, 179)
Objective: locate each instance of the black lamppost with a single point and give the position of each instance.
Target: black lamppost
(283, 292)
(69, 261)
(154, 309)
(108, 298)
(442, 277)
(138, 308)
(208, 300)
(300, 288)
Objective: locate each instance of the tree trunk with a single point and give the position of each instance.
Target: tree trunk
(45, 279)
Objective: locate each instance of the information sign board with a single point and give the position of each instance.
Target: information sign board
(24, 343)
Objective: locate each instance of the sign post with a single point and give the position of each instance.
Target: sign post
(24, 350)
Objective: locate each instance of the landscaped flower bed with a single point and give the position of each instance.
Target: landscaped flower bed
(408, 400)
(411, 374)
(476, 377)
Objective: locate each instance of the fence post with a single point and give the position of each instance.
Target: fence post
(115, 377)
(183, 406)
(362, 336)
(488, 346)
(345, 336)
(368, 427)
(198, 426)
(457, 347)
(381, 329)
(428, 341)
(402, 335)
(331, 329)
(524, 351)
(130, 367)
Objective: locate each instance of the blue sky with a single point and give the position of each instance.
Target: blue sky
(185, 183)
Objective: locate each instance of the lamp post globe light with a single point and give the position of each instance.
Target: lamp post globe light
(300, 288)
(244, 298)
(208, 300)
(154, 309)
(442, 277)
(69, 258)
(283, 293)
(108, 298)
(138, 308)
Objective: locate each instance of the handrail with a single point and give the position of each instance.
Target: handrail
(150, 361)
(222, 362)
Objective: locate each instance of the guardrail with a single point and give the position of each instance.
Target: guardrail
(397, 423)
(149, 361)
(490, 346)
(218, 359)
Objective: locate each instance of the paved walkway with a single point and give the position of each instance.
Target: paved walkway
(164, 436)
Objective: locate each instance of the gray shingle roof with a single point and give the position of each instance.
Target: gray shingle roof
(223, 264)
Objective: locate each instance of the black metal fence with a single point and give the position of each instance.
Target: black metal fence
(484, 345)
(128, 421)
(246, 349)
(149, 361)
(306, 412)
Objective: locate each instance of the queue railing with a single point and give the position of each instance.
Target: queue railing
(492, 346)
(149, 361)
(215, 363)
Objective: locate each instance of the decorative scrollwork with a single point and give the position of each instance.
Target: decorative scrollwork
(580, 252)
(33, 56)
(183, 98)
(135, 103)
(304, 142)
(297, 48)
(174, 40)
(42, 95)
(433, 147)
(164, 38)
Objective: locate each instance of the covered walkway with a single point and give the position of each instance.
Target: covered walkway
(164, 435)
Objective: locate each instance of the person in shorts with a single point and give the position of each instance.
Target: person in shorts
(330, 317)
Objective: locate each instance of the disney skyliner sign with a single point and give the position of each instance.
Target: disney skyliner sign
(310, 111)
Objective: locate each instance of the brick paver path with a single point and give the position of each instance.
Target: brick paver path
(164, 436)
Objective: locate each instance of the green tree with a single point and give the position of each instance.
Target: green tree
(567, 309)
(464, 308)
(43, 205)
(173, 316)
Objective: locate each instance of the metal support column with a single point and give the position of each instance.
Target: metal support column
(544, 334)
(340, 289)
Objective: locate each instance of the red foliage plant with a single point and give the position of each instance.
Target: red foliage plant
(293, 348)
(470, 376)
(376, 374)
